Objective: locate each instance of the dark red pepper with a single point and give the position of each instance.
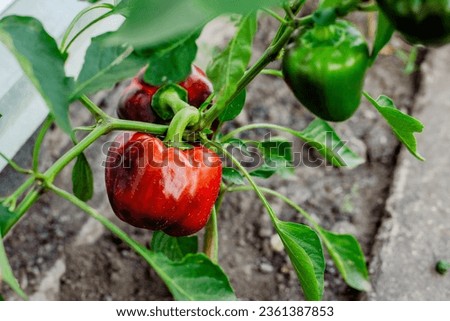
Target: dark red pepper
(156, 187)
(135, 102)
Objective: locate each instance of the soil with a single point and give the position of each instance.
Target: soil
(95, 265)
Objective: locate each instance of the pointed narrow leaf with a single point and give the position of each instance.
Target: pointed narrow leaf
(82, 179)
(305, 251)
(172, 63)
(348, 257)
(6, 274)
(105, 65)
(194, 278)
(385, 30)
(39, 56)
(320, 135)
(6, 216)
(175, 248)
(234, 108)
(403, 125)
(228, 67)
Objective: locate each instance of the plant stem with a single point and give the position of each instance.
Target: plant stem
(188, 116)
(272, 72)
(139, 248)
(275, 15)
(211, 240)
(23, 207)
(268, 56)
(263, 125)
(280, 196)
(14, 165)
(40, 138)
(142, 127)
(78, 17)
(57, 167)
(150, 257)
(255, 187)
(93, 108)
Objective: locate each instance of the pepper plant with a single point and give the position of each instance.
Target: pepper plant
(173, 117)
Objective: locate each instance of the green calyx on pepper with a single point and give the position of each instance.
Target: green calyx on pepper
(426, 22)
(325, 67)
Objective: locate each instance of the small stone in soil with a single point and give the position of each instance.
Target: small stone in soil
(266, 268)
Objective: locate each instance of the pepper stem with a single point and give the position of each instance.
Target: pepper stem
(169, 100)
(188, 116)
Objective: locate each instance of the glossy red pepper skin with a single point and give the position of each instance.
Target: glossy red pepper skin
(156, 187)
(135, 102)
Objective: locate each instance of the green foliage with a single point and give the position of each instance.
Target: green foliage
(175, 248)
(194, 278)
(305, 251)
(5, 217)
(234, 108)
(171, 63)
(105, 65)
(188, 275)
(230, 175)
(228, 67)
(384, 33)
(277, 155)
(403, 125)
(25, 37)
(82, 179)
(348, 257)
(320, 135)
(6, 273)
(152, 22)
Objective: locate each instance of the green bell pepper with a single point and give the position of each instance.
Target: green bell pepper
(325, 67)
(420, 21)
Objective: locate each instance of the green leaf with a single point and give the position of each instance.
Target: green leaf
(228, 67)
(172, 63)
(82, 179)
(152, 22)
(384, 33)
(403, 125)
(5, 216)
(194, 278)
(320, 135)
(324, 16)
(348, 257)
(6, 273)
(277, 154)
(232, 176)
(264, 171)
(122, 7)
(174, 248)
(305, 251)
(277, 148)
(105, 65)
(41, 60)
(234, 108)
(240, 144)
